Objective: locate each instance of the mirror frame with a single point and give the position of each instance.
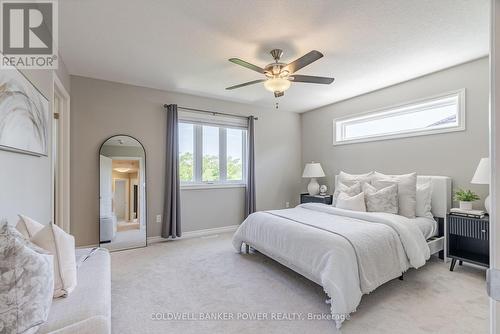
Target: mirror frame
(145, 190)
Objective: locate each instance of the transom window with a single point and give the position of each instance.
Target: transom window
(211, 154)
(443, 113)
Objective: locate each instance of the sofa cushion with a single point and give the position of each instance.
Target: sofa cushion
(88, 308)
(26, 283)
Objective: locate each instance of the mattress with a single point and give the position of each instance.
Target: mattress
(428, 226)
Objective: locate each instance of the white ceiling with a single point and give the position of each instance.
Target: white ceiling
(183, 46)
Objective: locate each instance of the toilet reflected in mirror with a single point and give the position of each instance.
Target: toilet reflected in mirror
(122, 199)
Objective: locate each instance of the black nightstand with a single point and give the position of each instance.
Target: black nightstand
(468, 240)
(306, 198)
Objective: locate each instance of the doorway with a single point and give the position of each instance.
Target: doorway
(60, 155)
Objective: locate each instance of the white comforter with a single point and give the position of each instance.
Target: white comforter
(349, 253)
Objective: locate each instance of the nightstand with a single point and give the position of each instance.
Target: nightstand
(306, 198)
(468, 240)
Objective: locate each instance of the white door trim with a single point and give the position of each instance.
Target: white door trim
(494, 153)
(63, 206)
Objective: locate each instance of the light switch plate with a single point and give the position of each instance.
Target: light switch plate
(158, 218)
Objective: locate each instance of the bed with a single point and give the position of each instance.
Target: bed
(348, 260)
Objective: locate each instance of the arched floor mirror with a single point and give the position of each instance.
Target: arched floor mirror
(122, 193)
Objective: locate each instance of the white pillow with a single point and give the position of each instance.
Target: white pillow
(62, 246)
(349, 190)
(407, 191)
(349, 179)
(424, 199)
(27, 226)
(354, 203)
(381, 200)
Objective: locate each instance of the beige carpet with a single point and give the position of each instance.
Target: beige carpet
(203, 276)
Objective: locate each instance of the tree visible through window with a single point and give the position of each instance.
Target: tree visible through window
(210, 165)
(211, 154)
(186, 152)
(235, 154)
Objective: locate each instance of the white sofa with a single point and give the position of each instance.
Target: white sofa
(87, 310)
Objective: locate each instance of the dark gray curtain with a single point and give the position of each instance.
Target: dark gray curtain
(171, 226)
(250, 189)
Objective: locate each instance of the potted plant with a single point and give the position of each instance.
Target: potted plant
(465, 198)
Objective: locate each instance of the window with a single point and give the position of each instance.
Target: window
(211, 154)
(443, 113)
(186, 152)
(210, 165)
(234, 161)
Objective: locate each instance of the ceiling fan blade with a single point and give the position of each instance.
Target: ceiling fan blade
(312, 79)
(245, 84)
(304, 61)
(278, 94)
(247, 65)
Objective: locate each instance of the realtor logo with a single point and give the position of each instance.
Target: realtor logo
(29, 34)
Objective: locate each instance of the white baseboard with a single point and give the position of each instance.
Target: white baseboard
(195, 234)
(185, 235)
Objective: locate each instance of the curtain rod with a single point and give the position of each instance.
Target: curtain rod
(211, 112)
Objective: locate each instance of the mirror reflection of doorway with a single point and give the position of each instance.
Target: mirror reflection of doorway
(122, 194)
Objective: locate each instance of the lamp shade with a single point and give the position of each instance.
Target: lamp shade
(482, 174)
(313, 169)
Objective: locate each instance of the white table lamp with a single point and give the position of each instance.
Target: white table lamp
(482, 176)
(313, 170)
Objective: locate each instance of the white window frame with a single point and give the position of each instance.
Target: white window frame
(223, 182)
(400, 109)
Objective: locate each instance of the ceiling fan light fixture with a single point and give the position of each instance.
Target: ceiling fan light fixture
(277, 84)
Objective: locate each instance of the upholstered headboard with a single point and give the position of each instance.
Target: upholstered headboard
(441, 193)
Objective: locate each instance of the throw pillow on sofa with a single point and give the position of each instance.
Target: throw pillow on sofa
(62, 246)
(26, 283)
(27, 226)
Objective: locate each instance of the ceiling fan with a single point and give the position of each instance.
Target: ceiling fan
(279, 76)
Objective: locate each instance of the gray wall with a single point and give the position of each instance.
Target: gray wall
(26, 180)
(101, 109)
(122, 151)
(453, 154)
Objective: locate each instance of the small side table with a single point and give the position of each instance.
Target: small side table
(306, 198)
(468, 240)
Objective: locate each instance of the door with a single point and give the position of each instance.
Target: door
(60, 156)
(106, 186)
(495, 156)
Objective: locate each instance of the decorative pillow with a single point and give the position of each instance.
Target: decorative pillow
(27, 226)
(62, 246)
(354, 203)
(26, 284)
(349, 179)
(381, 200)
(424, 199)
(407, 191)
(349, 190)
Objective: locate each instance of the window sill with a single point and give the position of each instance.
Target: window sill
(212, 186)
